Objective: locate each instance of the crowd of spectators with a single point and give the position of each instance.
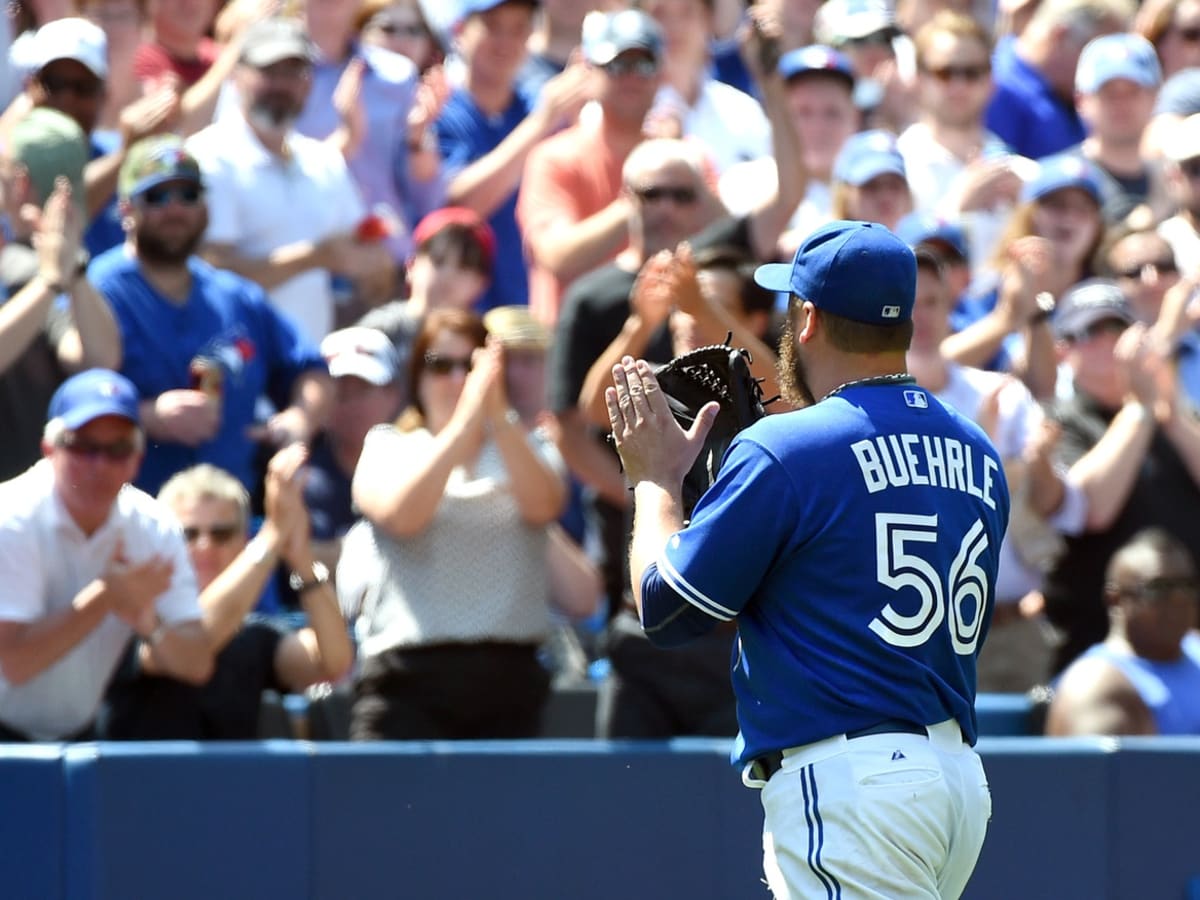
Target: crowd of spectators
(340, 281)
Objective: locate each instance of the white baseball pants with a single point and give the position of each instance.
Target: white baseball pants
(886, 816)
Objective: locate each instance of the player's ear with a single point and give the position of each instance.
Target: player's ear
(809, 323)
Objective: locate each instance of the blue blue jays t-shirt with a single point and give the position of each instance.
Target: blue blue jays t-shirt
(465, 134)
(1026, 112)
(227, 319)
(856, 543)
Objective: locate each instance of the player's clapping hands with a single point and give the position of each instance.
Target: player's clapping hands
(652, 445)
(1147, 371)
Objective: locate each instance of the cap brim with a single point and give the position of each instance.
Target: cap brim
(81, 415)
(774, 277)
(359, 367)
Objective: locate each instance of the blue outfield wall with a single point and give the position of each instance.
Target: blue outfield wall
(1094, 819)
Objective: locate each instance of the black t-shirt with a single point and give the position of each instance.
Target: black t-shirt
(27, 385)
(1164, 495)
(327, 493)
(594, 311)
(151, 708)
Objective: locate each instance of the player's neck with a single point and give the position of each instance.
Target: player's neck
(845, 369)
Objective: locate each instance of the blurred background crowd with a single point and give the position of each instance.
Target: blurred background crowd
(341, 282)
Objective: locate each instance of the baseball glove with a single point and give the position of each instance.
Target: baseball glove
(718, 372)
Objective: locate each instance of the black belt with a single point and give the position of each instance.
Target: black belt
(769, 763)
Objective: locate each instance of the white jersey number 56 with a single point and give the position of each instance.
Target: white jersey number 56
(898, 567)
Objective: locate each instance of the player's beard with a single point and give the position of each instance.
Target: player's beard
(154, 248)
(793, 377)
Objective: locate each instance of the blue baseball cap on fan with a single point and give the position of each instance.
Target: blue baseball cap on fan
(92, 394)
(813, 59)
(475, 7)
(1059, 173)
(867, 155)
(917, 228)
(1110, 56)
(857, 270)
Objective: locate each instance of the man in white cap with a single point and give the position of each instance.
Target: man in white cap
(88, 561)
(70, 75)
(368, 390)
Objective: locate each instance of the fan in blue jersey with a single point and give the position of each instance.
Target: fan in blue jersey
(855, 544)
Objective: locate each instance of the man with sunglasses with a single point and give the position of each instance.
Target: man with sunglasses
(1144, 678)
(957, 168)
(571, 209)
(87, 560)
(252, 654)
(72, 78)
(202, 345)
(1132, 445)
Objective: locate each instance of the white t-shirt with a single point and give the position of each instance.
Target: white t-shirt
(730, 123)
(45, 560)
(476, 573)
(258, 202)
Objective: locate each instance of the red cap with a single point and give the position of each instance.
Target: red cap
(457, 215)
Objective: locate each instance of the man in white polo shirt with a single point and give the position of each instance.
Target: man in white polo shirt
(283, 209)
(87, 561)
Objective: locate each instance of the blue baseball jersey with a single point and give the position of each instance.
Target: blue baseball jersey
(228, 321)
(856, 544)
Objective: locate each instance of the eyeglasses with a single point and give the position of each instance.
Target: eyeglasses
(400, 29)
(1190, 167)
(642, 66)
(680, 196)
(84, 89)
(1137, 271)
(1189, 34)
(1157, 590)
(158, 197)
(972, 74)
(217, 534)
(114, 451)
(444, 365)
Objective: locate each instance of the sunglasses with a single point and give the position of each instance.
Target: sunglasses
(444, 365)
(217, 534)
(1137, 270)
(1190, 167)
(680, 196)
(1189, 34)
(158, 197)
(1157, 590)
(971, 74)
(115, 451)
(400, 29)
(881, 38)
(81, 88)
(642, 66)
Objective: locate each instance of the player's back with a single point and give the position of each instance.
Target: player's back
(888, 510)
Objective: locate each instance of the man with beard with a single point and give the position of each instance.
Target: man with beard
(201, 345)
(854, 543)
(283, 207)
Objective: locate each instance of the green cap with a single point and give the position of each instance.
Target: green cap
(50, 144)
(153, 161)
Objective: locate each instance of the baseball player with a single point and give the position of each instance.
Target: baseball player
(855, 543)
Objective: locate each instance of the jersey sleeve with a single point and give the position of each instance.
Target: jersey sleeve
(737, 531)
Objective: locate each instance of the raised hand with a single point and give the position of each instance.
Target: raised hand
(652, 445)
(58, 235)
(184, 416)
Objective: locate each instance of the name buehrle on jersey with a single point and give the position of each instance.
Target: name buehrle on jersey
(900, 460)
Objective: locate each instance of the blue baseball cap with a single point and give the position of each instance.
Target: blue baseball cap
(917, 228)
(468, 8)
(1058, 173)
(92, 394)
(1128, 56)
(857, 270)
(816, 58)
(867, 155)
